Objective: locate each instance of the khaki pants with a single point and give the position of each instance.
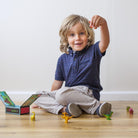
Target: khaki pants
(54, 101)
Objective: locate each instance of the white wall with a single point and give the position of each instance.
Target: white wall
(29, 42)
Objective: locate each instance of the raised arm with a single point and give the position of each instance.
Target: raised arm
(98, 21)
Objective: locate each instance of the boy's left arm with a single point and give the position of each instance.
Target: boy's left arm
(98, 21)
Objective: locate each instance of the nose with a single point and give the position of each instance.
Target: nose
(77, 37)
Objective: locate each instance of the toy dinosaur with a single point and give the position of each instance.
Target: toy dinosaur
(130, 110)
(127, 108)
(66, 117)
(33, 116)
(108, 116)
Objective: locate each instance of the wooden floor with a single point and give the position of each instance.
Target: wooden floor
(87, 126)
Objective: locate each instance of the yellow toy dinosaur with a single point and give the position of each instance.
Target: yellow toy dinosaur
(33, 116)
(66, 117)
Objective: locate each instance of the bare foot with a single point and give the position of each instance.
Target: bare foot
(62, 110)
(35, 106)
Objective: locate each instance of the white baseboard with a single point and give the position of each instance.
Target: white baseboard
(105, 96)
(119, 96)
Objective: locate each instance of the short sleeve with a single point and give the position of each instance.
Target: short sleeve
(59, 70)
(97, 50)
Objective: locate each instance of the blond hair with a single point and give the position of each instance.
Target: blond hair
(69, 22)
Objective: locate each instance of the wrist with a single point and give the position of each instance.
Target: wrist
(103, 25)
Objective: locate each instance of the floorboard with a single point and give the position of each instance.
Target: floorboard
(48, 125)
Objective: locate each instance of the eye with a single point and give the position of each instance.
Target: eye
(72, 34)
(82, 33)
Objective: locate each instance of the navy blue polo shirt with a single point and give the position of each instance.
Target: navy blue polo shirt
(81, 68)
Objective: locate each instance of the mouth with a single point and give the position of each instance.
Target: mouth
(78, 44)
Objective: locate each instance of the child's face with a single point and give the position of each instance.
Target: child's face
(77, 37)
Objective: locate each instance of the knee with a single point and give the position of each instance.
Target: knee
(60, 98)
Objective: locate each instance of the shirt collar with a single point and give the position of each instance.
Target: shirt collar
(71, 52)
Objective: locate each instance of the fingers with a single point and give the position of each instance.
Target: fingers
(96, 21)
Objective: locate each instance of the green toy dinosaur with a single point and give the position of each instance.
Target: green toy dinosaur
(108, 116)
